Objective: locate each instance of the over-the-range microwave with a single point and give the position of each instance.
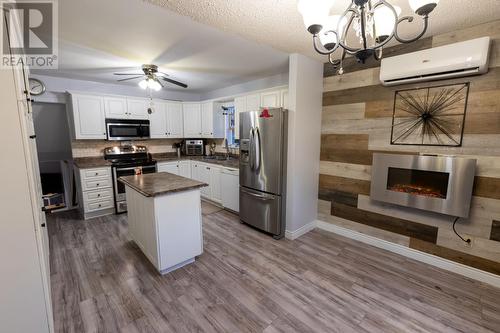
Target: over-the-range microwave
(127, 129)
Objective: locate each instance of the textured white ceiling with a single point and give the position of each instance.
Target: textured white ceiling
(278, 23)
(99, 37)
(208, 44)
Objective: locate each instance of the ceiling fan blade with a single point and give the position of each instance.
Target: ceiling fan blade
(128, 73)
(130, 78)
(164, 74)
(180, 84)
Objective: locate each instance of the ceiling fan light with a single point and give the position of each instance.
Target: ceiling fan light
(423, 7)
(314, 12)
(385, 21)
(144, 84)
(154, 85)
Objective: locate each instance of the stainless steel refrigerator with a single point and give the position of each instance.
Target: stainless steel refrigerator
(263, 148)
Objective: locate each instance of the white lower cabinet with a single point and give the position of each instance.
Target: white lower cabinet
(95, 192)
(214, 175)
(180, 168)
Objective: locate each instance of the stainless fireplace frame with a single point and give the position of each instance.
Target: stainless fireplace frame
(460, 183)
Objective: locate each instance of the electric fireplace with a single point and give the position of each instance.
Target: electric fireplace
(441, 184)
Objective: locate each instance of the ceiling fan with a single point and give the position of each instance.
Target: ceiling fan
(151, 78)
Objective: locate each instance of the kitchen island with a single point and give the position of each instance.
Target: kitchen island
(164, 218)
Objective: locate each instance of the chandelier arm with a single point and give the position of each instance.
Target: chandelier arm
(342, 39)
(391, 36)
(363, 27)
(410, 19)
(323, 50)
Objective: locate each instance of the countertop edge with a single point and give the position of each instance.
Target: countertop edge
(152, 195)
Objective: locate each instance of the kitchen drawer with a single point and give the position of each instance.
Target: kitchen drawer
(89, 174)
(96, 184)
(98, 195)
(98, 205)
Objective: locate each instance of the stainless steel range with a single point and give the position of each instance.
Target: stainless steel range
(127, 161)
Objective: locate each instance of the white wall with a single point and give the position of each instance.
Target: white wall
(304, 141)
(57, 86)
(238, 89)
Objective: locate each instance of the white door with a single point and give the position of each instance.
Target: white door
(270, 99)
(185, 169)
(89, 117)
(115, 107)
(170, 167)
(215, 184)
(175, 123)
(253, 102)
(195, 171)
(284, 99)
(207, 120)
(158, 121)
(137, 108)
(192, 120)
(240, 105)
(204, 175)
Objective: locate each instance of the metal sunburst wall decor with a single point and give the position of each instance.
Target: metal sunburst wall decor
(432, 116)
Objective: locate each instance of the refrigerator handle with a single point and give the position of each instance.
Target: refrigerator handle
(257, 149)
(251, 151)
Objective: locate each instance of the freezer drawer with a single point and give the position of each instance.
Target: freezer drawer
(261, 210)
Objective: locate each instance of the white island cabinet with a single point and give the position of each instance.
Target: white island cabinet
(164, 216)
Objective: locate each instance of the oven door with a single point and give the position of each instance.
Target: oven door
(127, 131)
(128, 171)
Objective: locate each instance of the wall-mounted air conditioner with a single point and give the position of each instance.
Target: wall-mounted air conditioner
(444, 62)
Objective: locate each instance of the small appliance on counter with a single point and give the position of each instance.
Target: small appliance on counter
(127, 161)
(193, 147)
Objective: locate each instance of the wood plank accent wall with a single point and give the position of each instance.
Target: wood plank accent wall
(356, 122)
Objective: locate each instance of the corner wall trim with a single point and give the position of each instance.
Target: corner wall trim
(301, 231)
(430, 259)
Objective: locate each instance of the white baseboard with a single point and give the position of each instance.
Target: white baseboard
(430, 259)
(301, 231)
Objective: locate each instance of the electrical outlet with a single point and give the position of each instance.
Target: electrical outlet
(471, 243)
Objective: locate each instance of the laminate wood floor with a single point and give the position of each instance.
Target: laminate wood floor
(247, 282)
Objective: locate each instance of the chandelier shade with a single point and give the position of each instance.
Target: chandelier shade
(371, 24)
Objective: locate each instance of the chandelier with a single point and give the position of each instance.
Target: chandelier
(373, 23)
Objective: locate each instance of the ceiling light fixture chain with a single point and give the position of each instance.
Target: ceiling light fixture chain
(373, 23)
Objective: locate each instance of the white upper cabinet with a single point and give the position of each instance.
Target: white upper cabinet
(166, 120)
(175, 120)
(88, 117)
(158, 121)
(212, 121)
(207, 119)
(284, 99)
(240, 105)
(115, 107)
(137, 108)
(253, 102)
(270, 99)
(192, 120)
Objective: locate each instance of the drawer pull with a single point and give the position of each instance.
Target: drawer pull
(97, 173)
(99, 205)
(97, 184)
(99, 195)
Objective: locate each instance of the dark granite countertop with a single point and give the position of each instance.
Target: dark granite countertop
(96, 162)
(154, 184)
(91, 162)
(168, 157)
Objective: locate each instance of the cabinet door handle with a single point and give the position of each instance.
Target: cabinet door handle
(98, 195)
(97, 173)
(97, 184)
(42, 225)
(99, 205)
(208, 168)
(32, 136)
